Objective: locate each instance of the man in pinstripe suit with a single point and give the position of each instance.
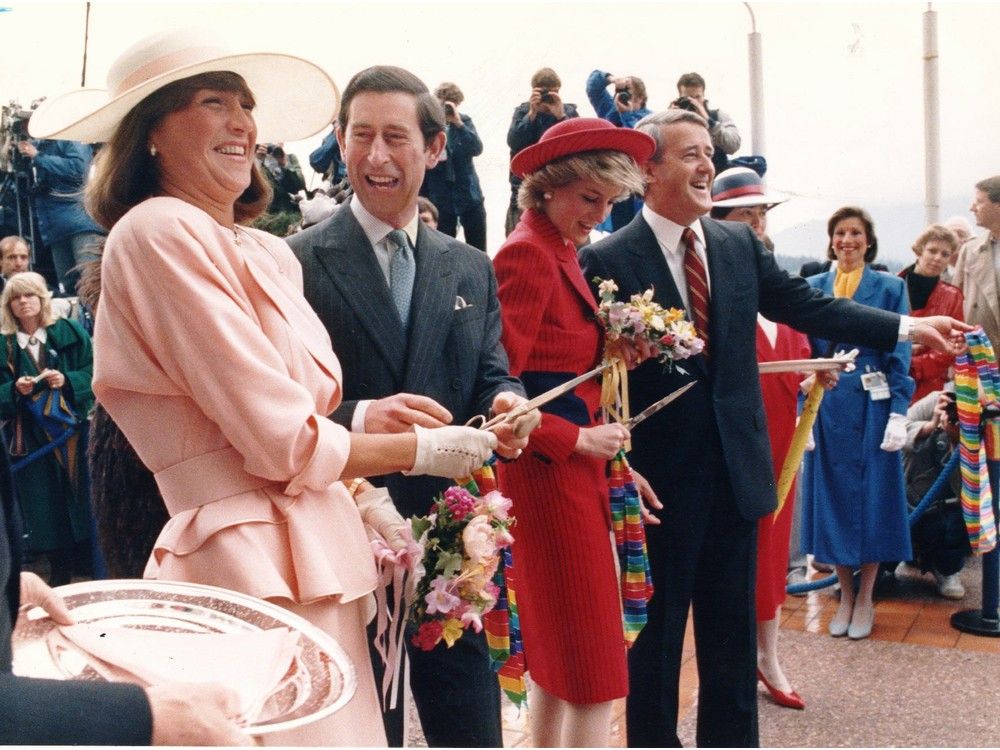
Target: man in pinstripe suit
(438, 361)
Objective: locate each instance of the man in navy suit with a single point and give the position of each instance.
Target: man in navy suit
(707, 455)
(441, 361)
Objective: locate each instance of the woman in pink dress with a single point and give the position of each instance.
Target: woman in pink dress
(212, 362)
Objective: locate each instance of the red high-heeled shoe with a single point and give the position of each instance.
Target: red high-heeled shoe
(788, 700)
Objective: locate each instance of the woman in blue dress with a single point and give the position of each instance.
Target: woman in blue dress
(854, 509)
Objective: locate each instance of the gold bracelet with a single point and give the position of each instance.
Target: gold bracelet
(355, 484)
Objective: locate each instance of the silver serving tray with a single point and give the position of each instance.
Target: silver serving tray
(320, 681)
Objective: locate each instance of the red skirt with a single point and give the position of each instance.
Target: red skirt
(567, 587)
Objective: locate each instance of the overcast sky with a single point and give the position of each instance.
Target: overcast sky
(842, 81)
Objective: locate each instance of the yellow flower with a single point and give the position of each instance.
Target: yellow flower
(452, 631)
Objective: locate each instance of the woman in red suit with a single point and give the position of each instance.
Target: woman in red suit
(930, 295)
(567, 587)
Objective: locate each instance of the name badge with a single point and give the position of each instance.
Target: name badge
(876, 384)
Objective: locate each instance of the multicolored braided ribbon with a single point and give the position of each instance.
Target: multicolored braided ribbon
(502, 625)
(977, 384)
(630, 540)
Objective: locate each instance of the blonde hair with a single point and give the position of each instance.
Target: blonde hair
(935, 232)
(608, 167)
(27, 282)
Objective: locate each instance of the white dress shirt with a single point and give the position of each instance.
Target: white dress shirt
(668, 235)
(377, 232)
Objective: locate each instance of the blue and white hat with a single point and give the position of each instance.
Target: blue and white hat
(741, 186)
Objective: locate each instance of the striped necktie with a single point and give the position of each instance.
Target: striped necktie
(402, 269)
(697, 284)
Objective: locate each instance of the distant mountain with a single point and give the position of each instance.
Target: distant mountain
(896, 224)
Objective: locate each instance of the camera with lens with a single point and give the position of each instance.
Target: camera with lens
(684, 102)
(623, 95)
(13, 130)
(547, 97)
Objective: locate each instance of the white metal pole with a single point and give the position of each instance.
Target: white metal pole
(932, 134)
(755, 46)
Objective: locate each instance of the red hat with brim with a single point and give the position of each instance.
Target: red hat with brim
(577, 136)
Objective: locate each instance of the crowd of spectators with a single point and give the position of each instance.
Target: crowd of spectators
(881, 433)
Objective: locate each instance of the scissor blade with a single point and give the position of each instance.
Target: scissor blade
(656, 406)
(544, 398)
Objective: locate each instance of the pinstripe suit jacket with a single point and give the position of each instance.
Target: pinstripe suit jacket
(453, 353)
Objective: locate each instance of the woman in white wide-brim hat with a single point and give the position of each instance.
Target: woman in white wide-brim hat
(211, 361)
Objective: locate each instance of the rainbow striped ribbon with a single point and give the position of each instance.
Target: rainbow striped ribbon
(630, 541)
(502, 623)
(977, 383)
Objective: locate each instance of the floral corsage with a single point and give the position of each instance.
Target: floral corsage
(462, 539)
(642, 329)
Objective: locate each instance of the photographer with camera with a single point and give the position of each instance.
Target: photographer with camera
(60, 170)
(530, 120)
(453, 185)
(624, 110)
(722, 129)
(940, 542)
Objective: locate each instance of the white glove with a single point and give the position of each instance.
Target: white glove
(451, 452)
(895, 433)
(379, 514)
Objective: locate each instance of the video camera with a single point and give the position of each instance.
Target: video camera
(13, 130)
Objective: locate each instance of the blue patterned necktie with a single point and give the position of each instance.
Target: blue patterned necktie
(402, 269)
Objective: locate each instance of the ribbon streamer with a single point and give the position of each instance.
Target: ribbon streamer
(502, 624)
(977, 384)
(630, 542)
(797, 448)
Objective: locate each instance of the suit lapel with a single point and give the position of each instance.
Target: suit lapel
(982, 268)
(721, 280)
(651, 267)
(652, 270)
(432, 307)
(347, 257)
(868, 289)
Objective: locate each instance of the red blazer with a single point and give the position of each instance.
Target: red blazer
(929, 368)
(550, 329)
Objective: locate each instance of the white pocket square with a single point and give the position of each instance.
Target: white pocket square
(460, 303)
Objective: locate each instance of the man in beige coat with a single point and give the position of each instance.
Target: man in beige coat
(979, 262)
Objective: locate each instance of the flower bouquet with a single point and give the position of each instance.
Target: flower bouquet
(641, 329)
(463, 539)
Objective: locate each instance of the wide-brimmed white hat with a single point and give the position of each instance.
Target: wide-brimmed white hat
(295, 98)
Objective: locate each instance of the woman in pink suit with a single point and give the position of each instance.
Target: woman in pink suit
(931, 295)
(566, 583)
(212, 362)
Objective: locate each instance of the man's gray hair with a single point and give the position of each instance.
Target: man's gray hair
(990, 186)
(652, 125)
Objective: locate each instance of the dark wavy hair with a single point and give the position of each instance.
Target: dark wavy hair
(852, 212)
(125, 173)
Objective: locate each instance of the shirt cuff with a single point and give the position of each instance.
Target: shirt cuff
(358, 420)
(905, 326)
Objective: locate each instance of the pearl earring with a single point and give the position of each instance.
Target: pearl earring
(547, 196)
(152, 150)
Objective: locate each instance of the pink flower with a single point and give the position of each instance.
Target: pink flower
(471, 617)
(439, 598)
(478, 540)
(496, 505)
(503, 538)
(459, 502)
